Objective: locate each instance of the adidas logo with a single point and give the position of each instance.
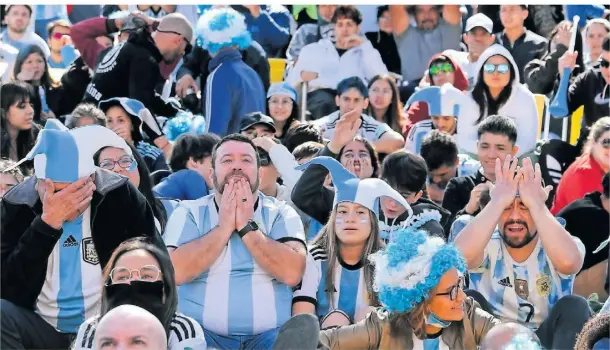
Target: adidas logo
(70, 242)
(505, 282)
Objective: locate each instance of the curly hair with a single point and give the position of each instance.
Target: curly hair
(595, 329)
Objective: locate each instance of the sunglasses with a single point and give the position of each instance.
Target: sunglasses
(604, 63)
(438, 68)
(188, 47)
(59, 35)
(605, 143)
(501, 68)
(453, 293)
(265, 161)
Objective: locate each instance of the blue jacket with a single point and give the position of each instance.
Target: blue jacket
(183, 185)
(232, 90)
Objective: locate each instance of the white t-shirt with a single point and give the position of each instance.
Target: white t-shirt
(370, 129)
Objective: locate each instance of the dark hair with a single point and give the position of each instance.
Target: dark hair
(381, 10)
(440, 59)
(193, 146)
(412, 9)
(347, 11)
(438, 149)
(57, 23)
(403, 170)
(301, 133)
(578, 46)
(307, 149)
(372, 153)
(8, 8)
(498, 125)
(393, 116)
(352, 83)
(606, 43)
(86, 110)
(606, 185)
(167, 274)
(237, 138)
(45, 81)
(145, 186)
(596, 328)
(294, 116)
(481, 95)
(12, 93)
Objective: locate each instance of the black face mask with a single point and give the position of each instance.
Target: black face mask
(147, 295)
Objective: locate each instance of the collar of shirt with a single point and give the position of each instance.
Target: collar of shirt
(222, 56)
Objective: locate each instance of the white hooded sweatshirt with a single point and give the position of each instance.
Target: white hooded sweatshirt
(520, 106)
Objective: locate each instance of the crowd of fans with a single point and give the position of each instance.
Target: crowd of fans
(301, 177)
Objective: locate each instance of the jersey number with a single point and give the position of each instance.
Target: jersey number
(530, 313)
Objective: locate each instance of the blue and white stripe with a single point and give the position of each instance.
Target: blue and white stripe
(235, 296)
(370, 129)
(71, 290)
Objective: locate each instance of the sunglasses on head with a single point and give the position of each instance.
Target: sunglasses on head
(604, 63)
(501, 68)
(438, 68)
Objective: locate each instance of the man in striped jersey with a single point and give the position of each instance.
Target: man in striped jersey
(522, 261)
(237, 253)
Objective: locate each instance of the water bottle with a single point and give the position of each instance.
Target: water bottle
(43, 100)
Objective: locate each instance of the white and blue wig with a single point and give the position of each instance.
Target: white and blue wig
(222, 27)
(184, 123)
(411, 266)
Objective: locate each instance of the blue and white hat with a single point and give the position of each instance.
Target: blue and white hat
(349, 188)
(184, 123)
(411, 265)
(222, 27)
(64, 155)
(442, 100)
(132, 107)
(283, 89)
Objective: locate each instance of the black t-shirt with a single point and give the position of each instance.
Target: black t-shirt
(340, 51)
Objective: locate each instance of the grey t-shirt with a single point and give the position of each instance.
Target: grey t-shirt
(416, 47)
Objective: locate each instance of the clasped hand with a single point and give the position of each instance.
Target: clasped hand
(236, 205)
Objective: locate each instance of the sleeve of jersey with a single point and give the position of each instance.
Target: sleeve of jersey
(85, 335)
(181, 228)
(381, 130)
(288, 226)
(218, 102)
(307, 290)
(186, 333)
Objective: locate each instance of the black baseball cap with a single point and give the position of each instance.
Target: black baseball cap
(256, 118)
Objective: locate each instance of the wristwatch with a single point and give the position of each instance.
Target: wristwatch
(250, 226)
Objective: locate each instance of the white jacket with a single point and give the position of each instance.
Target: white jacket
(520, 106)
(363, 61)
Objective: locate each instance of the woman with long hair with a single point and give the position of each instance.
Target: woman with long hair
(338, 282)
(384, 102)
(585, 174)
(542, 75)
(141, 274)
(18, 129)
(283, 107)
(419, 280)
(133, 167)
(31, 66)
(497, 91)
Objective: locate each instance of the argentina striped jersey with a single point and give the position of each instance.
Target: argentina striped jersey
(235, 296)
(370, 129)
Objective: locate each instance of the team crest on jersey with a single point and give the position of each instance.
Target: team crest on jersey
(543, 285)
(89, 252)
(522, 289)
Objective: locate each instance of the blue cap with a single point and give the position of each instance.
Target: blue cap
(283, 89)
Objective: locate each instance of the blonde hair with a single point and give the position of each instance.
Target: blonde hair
(601, 126)
(327, 240)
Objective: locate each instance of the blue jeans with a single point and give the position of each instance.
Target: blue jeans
(264, 340)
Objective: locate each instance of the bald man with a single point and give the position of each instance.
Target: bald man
(130, 327)
(510, 333)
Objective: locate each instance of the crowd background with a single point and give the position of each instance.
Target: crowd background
(365, 121)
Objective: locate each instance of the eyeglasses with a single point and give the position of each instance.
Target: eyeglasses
(146, 273)
(453, 293)
(188, 47)
(501, 68)
(126, 162)
(59, 35)
(438, 68)
(605, 143)
(604, 63)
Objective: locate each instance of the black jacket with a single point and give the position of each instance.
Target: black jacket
(196, 64)
(131, 69)
(386, 45)
(457, 193)
(315, 200)
(587, 219)
(118, 212)
(591, 90)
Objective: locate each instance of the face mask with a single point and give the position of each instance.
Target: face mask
(147, 295)
(435, 321)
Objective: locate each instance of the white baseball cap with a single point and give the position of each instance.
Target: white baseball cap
(480, 20)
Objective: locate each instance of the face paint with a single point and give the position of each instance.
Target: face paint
(364, 220)
(338, 220)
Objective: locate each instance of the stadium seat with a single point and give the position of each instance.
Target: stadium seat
(277, 66)
(575, 120)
